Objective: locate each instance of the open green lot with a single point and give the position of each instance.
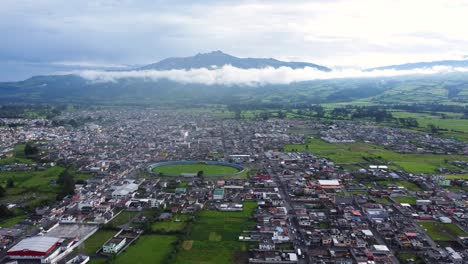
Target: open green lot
(457, 176)
(123, 218)
(406, 199)
(442, 232)
(177, 223)
(411, 186)
(451, 123)
(97, 240)
(147, 249)
(208, 169)
(359, 152)
(214, 237)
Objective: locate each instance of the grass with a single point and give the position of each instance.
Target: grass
(409, 258)
(177, 223)
(359, 152)
(97, 240)
(456, 127)
(403, 183)
(208, 170)
(123, 218)
(381, 200)
(147, 249)
(214, 237)
(457, 176)
(442, 232)
(406, 199)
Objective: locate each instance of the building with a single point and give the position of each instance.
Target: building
(329, 184)
(41, 248)
(114, 245)
(218, 194)
(125, 191)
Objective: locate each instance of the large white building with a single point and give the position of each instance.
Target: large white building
(41, 248)
(125, 191)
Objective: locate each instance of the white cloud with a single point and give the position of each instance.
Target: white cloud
(229, 75)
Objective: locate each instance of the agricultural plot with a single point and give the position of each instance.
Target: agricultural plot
(214, 237)
(97, 240)
(345, 153)
(405, 199)
(123, 218)
(147, 249)
(442, 232)
(177, 223)
(456, 127)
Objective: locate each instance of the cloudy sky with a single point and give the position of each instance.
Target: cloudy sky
(44, 36)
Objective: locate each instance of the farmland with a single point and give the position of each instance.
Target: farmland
(442, 232)
(32, 187)
(147, 249)
(177, 223)
(95, 242)
(359, 152)
(123, 218)
(451, 124)
(214, 237)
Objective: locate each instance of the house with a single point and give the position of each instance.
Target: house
(114, 245)
(218, 194)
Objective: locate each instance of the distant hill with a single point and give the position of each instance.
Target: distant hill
(418, 65)
(217, 59)
(434, 88)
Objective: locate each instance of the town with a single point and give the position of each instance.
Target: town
(129, 185)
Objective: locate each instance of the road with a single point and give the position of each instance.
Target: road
(297, 238)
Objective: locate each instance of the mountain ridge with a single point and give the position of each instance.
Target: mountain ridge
(218, 59)
(423, 64)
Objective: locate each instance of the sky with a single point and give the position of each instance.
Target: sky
(47, 36)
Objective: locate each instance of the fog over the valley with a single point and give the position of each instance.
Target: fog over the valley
(229, 75)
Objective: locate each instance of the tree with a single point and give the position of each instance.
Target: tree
(10, 183)
(5, 212)
(320, 111)
(281, 114)
(30, 150)
(67, 181)
(433, 128)
(2, 191)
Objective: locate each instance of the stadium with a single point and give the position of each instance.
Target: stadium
(186, 168)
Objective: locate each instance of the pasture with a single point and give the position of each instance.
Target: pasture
(177, 223)
(214, 237)
(364, 153)
(442, 232)
(97, 240)
(147, 249)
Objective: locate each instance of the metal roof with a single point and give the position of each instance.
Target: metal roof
(37, 243)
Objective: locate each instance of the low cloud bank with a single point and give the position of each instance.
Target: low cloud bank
(229, 75)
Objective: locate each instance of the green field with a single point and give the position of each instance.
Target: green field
(457, 176)
(457, 128)
(359, 152)
(406, 199)
(411, 186)
(442, 232)
(97, 240)
(123, 218)
(214, 237)
(147, 249)
(208, 170)
(177, 223)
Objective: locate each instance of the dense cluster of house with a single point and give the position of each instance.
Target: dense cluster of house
(308, 209)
